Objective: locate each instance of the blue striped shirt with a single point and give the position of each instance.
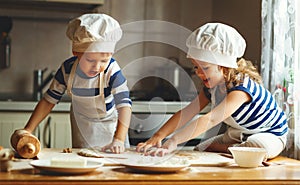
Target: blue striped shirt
(116, 92)
(262, 114)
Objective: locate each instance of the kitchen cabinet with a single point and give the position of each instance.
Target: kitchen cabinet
(53, 131)
(10, 121)
(61, 128)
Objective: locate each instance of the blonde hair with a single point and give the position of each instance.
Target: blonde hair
(236, 76)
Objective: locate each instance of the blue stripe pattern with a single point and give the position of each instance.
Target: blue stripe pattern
(54, 95)
(85, 91)
(60, 77)
(116, 83)
(117, 79)
(262, 113)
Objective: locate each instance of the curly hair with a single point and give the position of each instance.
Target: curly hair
(236, 76)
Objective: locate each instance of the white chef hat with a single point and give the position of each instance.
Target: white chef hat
(216, 43)
(94, 33)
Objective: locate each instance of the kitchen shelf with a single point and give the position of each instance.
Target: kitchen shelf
(58, 5)
(42, 10)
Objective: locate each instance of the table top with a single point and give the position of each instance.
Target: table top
(281, 171)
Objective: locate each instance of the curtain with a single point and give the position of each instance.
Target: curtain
(280, 62)
(297, 81)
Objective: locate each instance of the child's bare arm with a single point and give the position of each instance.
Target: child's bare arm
(42, 109)
(178, 120)
(124, 116)
(224, 110)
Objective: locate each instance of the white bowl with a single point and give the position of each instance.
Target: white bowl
(249, 157)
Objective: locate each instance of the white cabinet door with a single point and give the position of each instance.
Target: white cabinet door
(54, 131)
(60, 126)
(9, 122)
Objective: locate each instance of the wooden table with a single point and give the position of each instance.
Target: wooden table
(282, 171)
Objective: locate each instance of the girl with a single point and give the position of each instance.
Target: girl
(235, 92)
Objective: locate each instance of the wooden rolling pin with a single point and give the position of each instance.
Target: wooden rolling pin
(25, 144)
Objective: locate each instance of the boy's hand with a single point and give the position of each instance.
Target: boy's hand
(116, 146)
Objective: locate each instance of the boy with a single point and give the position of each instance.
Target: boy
(101, 107)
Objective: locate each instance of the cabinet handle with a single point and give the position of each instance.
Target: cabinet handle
(47, 142)
(39, 132)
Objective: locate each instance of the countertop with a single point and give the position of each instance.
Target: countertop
(137, 106)
(282, 171)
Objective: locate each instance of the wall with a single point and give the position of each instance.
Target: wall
(140, 59)
(246, 17)
(39, 41)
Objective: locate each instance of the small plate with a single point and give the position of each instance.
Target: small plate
(45, 165)
(154, 168)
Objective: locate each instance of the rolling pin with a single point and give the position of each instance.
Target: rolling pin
(25, 144)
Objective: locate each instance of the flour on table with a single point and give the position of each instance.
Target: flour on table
(205, 158)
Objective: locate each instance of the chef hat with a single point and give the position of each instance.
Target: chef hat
(94, 33)
(216, 43)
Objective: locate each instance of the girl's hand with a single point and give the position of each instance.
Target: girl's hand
(116, 146)
(168, 147)
(154, 141)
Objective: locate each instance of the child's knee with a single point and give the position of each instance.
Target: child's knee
(273, 144)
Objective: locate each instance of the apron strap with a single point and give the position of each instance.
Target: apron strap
(101, 83)
(71, 78)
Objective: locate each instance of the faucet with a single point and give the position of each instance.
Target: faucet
(40, 83)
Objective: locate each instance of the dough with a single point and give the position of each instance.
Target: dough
(90, 152)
